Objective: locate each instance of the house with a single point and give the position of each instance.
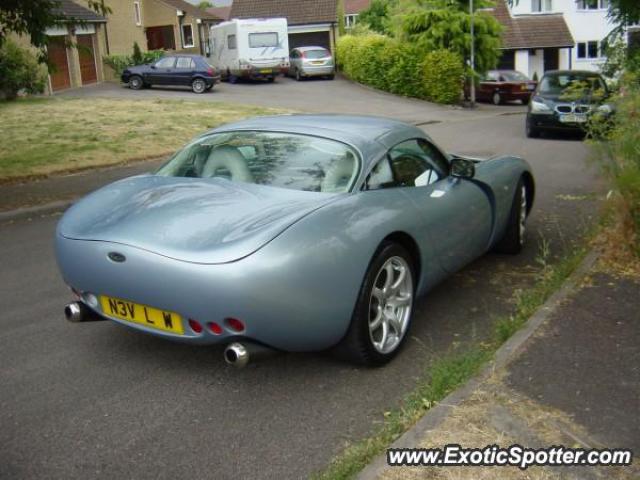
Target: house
(534, 43)
(75, 47)
(311, 22)
(352, 9)
(587, 20)
(223, 13)
(157, 25)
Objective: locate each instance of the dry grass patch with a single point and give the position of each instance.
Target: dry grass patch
(44, 136)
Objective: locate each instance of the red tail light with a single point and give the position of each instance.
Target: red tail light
(215, 328)
(304, 54)
(210, 71)
(195, 326)
(235, 324)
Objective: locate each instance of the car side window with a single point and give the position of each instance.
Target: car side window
(166, 62)
(185, 63)
(412, 164)
(435, 156)
(231, 42)
(492, 77)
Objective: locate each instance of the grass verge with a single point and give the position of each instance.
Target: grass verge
(42, 136)
(446, 374)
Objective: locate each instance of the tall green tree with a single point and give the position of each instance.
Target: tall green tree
(446, 24)
(204, 5)
(377, 16)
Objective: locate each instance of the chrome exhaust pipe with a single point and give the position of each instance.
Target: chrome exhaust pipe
(238, 354)
(78, 312)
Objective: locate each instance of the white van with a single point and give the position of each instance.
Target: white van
(251, 48)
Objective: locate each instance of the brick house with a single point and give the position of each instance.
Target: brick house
(311, 22)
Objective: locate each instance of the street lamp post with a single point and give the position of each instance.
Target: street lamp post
(472, 87)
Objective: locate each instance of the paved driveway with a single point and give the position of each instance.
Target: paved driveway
(99, 401)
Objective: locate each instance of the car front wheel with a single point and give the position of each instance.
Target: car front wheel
(513, 239)
(530, 130)
(198, 86)
(384, 308)
(135, 82)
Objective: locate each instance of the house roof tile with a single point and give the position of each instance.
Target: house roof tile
(531, 31)
(355, 6)
(297, 12)
(70, 10)
(223, 13)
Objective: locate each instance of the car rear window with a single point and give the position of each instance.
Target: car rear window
(284, 160)
(514, 76)
(263, 39)
(320, 53)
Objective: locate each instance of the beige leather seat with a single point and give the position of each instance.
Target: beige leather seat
(227, 158)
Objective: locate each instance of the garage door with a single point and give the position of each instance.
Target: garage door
(310, 39)
(87, 59)
(57, 53)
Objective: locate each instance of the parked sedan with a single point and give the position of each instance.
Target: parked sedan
(311, 62)
(173, 70)
(499, 86)
(294, 232)
(565, 100)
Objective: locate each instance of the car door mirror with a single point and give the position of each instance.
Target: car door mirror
(462, 168)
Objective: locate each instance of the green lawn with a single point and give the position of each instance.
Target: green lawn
(47, 135)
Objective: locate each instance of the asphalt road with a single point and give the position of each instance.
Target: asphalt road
(99, 401)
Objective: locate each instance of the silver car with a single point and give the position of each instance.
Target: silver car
(311, 62)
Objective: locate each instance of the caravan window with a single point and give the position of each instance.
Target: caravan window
(231, 42)
(266, 39)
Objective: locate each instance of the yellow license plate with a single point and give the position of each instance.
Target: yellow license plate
(318, 62)
(142, 314)
(267, 70)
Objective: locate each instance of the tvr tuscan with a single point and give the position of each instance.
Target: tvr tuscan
(295, 233)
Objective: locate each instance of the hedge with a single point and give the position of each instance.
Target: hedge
(119, 62)
(398, 67)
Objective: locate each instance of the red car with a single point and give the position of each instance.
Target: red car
(499, 86)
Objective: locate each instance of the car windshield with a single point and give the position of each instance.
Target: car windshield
(285, 160)
(571, 84)
(320, 53)
(514, 76)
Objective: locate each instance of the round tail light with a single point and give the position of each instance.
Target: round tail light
(195, 326)
(234, 324)
(214, 328)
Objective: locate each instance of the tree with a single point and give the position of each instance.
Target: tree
(446, 24)
(33, 17)
(19, 70)
(204, 5)
(624, 12)
(377, 16)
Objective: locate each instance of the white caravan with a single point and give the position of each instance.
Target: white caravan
(251, 48)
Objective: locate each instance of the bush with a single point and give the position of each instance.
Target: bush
(401, 68)
(119, 62)
(443, 74)
(19, 70)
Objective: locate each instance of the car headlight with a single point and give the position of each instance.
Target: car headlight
(606, 109)
(539, 107)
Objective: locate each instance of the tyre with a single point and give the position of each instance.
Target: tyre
(233, 79)
(530, 130)
(332, 76)
(496, 98)
(271, 79)
(135, 82)
(298, 76)
(514, 236)
(198, 85)
(383, 311)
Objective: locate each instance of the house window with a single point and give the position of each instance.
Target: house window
(187, 36)
(231, 42)
(136, 13)
(540, 6)
(592, 4)
(588, 49)
(350, 20)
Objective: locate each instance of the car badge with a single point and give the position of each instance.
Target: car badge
(116, 257)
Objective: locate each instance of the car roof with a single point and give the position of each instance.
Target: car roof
(571, 72)
(368, 134)
(304, 49)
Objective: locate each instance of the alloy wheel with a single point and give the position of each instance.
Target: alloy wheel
(390, 304)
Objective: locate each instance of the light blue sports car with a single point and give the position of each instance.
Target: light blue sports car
(293, 233)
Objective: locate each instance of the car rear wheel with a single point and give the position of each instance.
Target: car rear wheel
(514, 236)
(198, 85)
(384, 308)
(332, 76)
(497, 99)
(135, 82)
(298, 76)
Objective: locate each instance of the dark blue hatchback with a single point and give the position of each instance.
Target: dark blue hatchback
(173, 70)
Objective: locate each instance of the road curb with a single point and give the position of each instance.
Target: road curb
(502, 357)
(38, 210)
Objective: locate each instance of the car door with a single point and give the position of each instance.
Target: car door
(488, 85)
(184, 70)
(455, 213)
(162, 71)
